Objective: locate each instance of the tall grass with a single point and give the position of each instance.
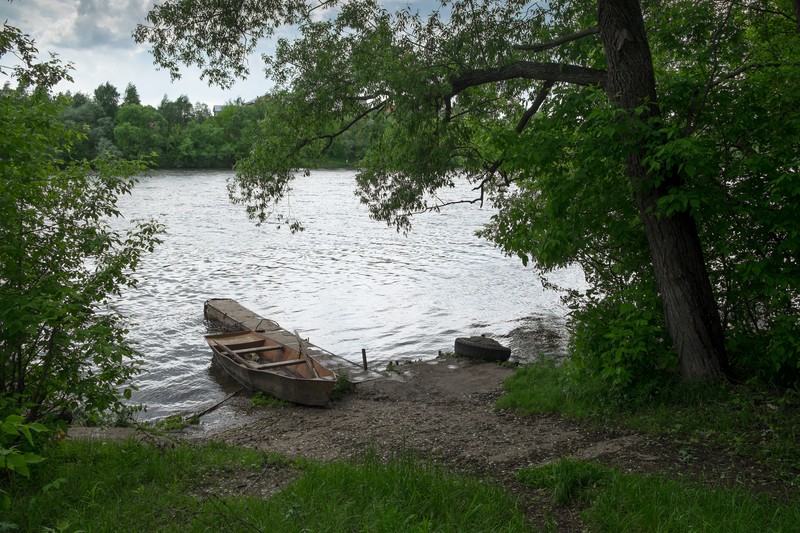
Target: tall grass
(546, 388)
(91, 486)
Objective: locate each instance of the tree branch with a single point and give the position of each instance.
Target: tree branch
(698, 102)
(332, 136)
(537, 103)
(752, 66)
(528, 70)
(795, 19)
(558, 42)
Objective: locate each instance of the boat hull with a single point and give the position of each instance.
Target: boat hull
(289, 375)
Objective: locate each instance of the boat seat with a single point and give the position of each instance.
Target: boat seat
(279, 363)
(258, 349)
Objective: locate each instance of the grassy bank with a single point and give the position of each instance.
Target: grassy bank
(756, 424)
(90, 486)
(613, 501)
(752, 426)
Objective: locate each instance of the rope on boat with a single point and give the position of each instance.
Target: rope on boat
(271, 322)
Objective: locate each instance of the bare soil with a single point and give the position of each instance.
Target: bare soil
(443, 411)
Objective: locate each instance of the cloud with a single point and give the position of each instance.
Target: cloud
(77, 24)
(103, 23)
(95, 35)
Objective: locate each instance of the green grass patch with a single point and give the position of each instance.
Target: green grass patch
(122, 486)
(402, 494)
(176, 422)
(753, 422)
(260, 399)
(569, 481)
(747, 420)
(92, 486)
(638, 502)
(544, 388)
(343, 386)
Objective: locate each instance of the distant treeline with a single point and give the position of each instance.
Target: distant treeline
(179, 134)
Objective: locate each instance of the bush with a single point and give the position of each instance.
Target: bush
(62, 348)
(18, 448)
(623, 345)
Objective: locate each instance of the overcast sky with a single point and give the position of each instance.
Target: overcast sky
(95, 35)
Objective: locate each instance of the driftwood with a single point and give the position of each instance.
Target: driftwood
(228, 397)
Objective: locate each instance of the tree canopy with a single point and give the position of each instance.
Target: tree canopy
(653, 143)
(131, 95)
(179, 134)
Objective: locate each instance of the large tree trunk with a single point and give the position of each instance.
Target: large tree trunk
(689, 306)
(797, 13)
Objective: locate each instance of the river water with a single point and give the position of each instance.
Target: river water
(346, 282)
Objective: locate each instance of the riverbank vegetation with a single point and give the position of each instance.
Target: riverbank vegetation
(64, 352)
(654, 145)
(750, 421)
(615, 501)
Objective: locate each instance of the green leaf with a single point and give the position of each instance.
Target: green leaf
(17, 463)
(38, 427)
(27, 433)
(10, 428)
(32, 458)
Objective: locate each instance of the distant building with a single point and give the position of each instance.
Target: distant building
(217, 108)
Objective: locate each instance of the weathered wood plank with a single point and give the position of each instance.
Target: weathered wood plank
(290, 362)
(258, 349)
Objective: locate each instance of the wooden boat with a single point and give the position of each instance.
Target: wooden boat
(264, 364)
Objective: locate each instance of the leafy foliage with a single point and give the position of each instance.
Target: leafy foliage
(107, 97)
(62, 349)
(17, 446)
(179, 134)
(738, 138)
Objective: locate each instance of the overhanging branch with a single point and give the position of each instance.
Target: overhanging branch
(529, 70)
(752, 66)
(537, 103)
(541, 47)
(330, 137)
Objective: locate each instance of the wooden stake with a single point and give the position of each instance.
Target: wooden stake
(364, 357)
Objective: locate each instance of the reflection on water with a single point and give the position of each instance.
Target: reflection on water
(347, 282)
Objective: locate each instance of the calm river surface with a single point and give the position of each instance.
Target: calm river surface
(347, 282)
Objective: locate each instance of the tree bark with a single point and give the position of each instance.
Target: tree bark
(796, 4)
(689, 306)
